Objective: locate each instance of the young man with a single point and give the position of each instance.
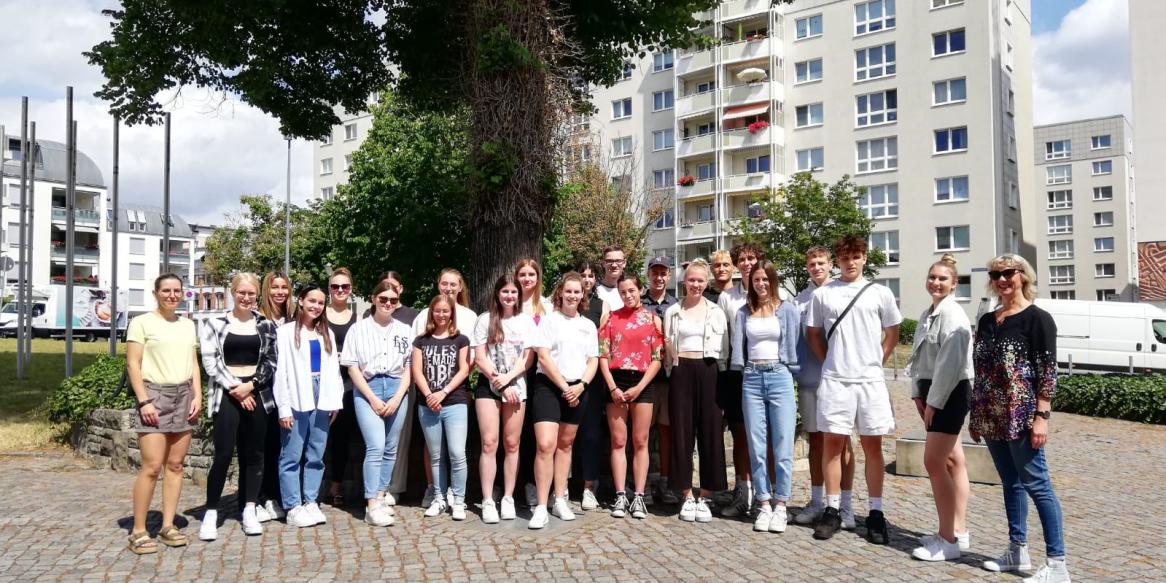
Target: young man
(819, 267)
(853, 346)
(613, 265)
(657, 300)
(721, 263)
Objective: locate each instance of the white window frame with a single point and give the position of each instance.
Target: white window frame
(962, 292)
(1062, 294)
(1062, 274)
(757, 161)
(708, 170)
(864, 71)
(1102, 193)
(809, 71)
(664, 178)
(1060, 224)
(325, 166)
(1095, 142)
(350, 132)
(946, 235)
(951, 149)
(327, 141)
(1099, 219)
(1100, 269)
(624, 108)
(1099, 244)
(1102, 295)
(868, 25)
(669, 139)
(347, 162)
(1058, 149)
(803, 27)
(326, 192)
(938, 4)
(667, 220)
(892, 284)
(1102, 167)
(663, 100)
(951, 182)
(627, 70)
(888, 208)
(618, 150)
(808, 154)
(140, 243)
(141, 271)
(1054, 176)
(137, 297)
(947, 35)
(663, 61)
(889, 245)
(809, 109)
(889, 160)
(1059, 199)
(947, 85)
(1061, 249)
(886, 115)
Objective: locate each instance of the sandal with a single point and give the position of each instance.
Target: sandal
(172, 537)
(142, 544)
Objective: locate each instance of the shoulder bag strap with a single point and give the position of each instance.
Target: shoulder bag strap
(847, 310)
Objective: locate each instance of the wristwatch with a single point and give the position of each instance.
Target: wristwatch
(1043, 414)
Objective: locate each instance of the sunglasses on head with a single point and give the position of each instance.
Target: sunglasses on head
(390, 301)
(1003, 273)
(340, 286)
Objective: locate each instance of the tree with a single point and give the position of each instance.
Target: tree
(805, 213)
(253, 240)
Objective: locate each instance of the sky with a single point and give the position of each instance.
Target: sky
(221, 150)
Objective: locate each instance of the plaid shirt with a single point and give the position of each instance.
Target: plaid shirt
(212, 332)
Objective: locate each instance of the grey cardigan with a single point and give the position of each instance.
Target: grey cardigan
(790, 321)
(942, 351)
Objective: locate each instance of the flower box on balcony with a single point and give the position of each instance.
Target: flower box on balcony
(758, 126)
(686, 180)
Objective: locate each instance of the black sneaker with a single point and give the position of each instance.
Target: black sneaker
(876, 528)
(829, 523)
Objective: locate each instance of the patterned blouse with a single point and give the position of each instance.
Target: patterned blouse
(1015, 361)
(630, 340)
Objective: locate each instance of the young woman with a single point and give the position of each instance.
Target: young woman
(502, 350)
(696, 343)
(377, 356)
(276, 307)
(308, 393)
(528, 274)
(765, 338)
(238, 360)
(162, 365)
(631, 346)
(567, 359)
(441, 364)
(340, 318)
(593, 426)
(406, 315)
(940, 368)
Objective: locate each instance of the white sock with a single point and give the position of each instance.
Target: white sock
(847, 499)
(876, 503)
(816, 495)
(833, 501)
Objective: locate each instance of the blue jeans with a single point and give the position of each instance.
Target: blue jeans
(1023, 474)
(445, 431)
(770, 405)
(381, 434)
(304, 441)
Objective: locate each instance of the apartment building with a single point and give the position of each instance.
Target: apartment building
(142, 256)
(332, 156)
(1086, 236)
(1147, 18)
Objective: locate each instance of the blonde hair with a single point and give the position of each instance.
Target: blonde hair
(699, 264)
(949, 262)
(536, 298)
(431, 324)
(720, 255)
(1027, 276)
(244, 277)
(463, 295)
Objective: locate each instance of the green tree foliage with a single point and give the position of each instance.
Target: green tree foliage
(253, 240)
(805, 213)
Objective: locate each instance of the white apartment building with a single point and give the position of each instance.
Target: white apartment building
(1147, 18)
(141, 255)
(332, 156)
(1086, 240)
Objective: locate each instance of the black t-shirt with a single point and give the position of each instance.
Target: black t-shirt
(439, 362)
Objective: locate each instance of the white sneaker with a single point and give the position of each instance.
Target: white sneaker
(388, 500)
(764, 517)
(458, 508)
(508, 508)
(315, 513)
(300, 517)
(1052, 572)
(274, 510)
(703, 514)
(375, 515)
(262, 514)
(251, 526)
(489, 512)
(209, 529)
(809, 514)
(430, 494)
(562, 509)
(847, 515)
(1014, 559)
(934, 548)
(436, 507)
(964, 540)
(620, 507)
(639, 507)
(589, 501)
(780, 517)
(742, 502)
(540, 518)
(688, 510)
(531, 495)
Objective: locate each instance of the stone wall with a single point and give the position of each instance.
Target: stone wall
(109, 440)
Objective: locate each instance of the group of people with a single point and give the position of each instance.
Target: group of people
(603, 354)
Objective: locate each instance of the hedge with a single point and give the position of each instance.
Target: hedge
(97, 386)
(907, 331)
(1139, 398)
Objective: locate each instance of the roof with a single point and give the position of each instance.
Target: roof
(153, 219)
(51, 163)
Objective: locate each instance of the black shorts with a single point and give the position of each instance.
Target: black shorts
(483, 390)
(546, 403)
(729, 396)
(949, 419)
(626, 379)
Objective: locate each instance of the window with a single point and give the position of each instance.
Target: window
(945, 3)
(952, 238)
(877, 155)
(1062, 174)
(327, 141)
(662, 100)
(874, 62)
(1058, 149)
(810, 159)
(963, 288)
(137, 297)
(1063, 294)
(1102, 167)
(137, 246)
(1011, 148)
(661, 62)
(1104, 270)
(326, 166)
(892, 283)
(1102, 193)
(666, 220)
(13, 234)
(138, 271)
(758, 164)
(1013, 195)
(704, 213)
(1107, 295)
(706, 128)
(1103, 244)
(621, 108)
(706, 171)
(1060, 224)
(347, 162)
(1104, 219)
(951, 140)
(809, 26)
(621, 147)
(951, 189)
(1060, 249)
(1100, 142)
(807, 71)
(326, 192)
(877, 108)
(880, 201)
(947, 43)
(874, 16)
(665, 178)
(1013, 243)
(809, 115)
(1060, 199)
(1061, 274)
(950, 91)
(888, 242)
(627, 70)
(706, 86)
(663, 139)
(349, 131)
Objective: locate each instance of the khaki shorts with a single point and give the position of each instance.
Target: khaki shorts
(660, 388)
(173, 405)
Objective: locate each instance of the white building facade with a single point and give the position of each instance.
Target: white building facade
(142, 256)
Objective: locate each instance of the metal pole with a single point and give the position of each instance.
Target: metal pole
(287, 217)
(113, 319)
(30, 244)
(3, 232)
(166, 201)
(70, 224)
(21, 284)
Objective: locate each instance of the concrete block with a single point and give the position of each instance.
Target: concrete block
(909, 458)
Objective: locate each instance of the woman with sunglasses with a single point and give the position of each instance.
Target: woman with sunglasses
(340, 317)
(1015, 359)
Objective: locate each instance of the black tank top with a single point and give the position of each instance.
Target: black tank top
(341, 330)
(241, 349)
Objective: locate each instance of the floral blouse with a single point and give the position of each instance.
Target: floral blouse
(1015, 362)
(630, 340)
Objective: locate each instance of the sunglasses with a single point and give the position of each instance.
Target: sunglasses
(1004, 273)
(340, 286)
(390, 301)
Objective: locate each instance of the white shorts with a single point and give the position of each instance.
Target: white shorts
(808, 409)
(843, 405)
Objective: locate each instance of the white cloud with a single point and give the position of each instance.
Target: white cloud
(1081, 69)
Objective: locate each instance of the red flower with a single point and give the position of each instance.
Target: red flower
(758, 126)
(687, 180)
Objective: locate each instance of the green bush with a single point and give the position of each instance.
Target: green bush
(1139, 398)
(97, 386)
(907, 331)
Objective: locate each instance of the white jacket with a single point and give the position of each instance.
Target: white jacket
(293, 374)
(716, 335)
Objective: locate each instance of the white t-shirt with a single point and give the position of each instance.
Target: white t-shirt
(378, 349)
(609, 295)
(466, 318)
(518, 333)
(855, 351)
(571, 340)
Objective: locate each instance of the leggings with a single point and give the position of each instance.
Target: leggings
(270, 488)
(593, 445)
(247, 430)
(696, 419)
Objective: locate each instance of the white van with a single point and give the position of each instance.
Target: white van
(1106, 335)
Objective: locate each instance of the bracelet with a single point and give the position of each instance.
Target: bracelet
(145, 402)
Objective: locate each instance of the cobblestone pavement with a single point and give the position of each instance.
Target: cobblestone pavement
(62, 520)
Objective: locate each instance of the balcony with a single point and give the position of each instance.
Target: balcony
(749, 49)
(697, 102)
(696, 145)
(688, 62)
(743, 138)
(696, 230)
(80, 216)
(179, 258)
(81, 255)
(699, 189)
(756, 181)
(743, 8)
(752, 93)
